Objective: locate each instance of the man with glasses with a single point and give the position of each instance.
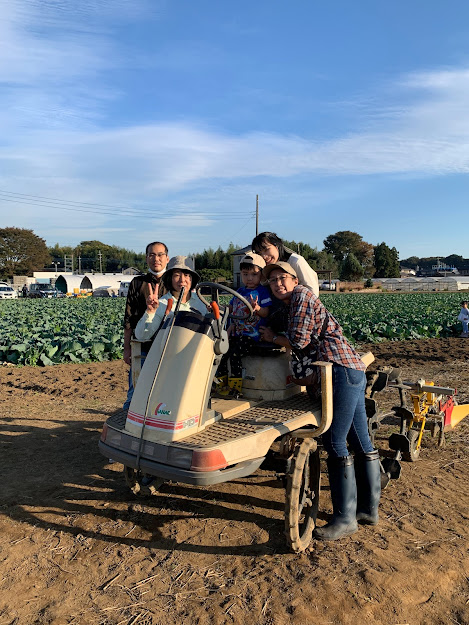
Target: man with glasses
(136, 304)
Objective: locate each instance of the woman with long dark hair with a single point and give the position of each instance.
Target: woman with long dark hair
(271, 248)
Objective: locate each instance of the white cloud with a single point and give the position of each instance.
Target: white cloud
(57, 142)
(54, 57)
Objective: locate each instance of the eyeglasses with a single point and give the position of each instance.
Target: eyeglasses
(283, 278)
(159, 255)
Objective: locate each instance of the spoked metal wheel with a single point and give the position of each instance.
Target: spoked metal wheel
(133, 479)
(302, 495)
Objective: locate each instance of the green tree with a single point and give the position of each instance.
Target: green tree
(343, 243)
(21, 252)
(211, 275)
(346, 242)
(386, 261)
(411, 262)
(309, 253)
(318, 260)
(326, 262)
(454, 260)
(351, 268)
(86, 257)
(217, 260)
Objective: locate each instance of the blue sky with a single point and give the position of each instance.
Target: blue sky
(133, 120)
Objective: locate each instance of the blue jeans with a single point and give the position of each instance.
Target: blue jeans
(349, 421)
(464, 326)
(130, 392)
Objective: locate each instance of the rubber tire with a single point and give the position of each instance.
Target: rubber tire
(414, 453)
(302, 496)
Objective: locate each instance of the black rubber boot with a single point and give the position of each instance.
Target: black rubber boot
(344, 500)
(368, 477)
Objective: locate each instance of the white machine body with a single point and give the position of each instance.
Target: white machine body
(172, 400)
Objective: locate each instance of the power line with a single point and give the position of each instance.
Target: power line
(122, 211)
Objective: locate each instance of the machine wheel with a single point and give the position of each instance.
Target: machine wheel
(302, 495)
(414, 453)
(133, 480)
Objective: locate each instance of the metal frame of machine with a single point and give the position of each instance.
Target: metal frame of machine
(422, 406)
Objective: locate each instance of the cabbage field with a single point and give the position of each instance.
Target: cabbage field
(45, 332)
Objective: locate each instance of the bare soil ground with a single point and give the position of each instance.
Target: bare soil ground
(77, 548)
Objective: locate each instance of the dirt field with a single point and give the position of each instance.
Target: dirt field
(76, 547)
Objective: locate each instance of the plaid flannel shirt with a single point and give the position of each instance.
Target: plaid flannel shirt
(306, 316)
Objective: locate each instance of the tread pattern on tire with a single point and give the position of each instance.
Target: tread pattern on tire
(299, 535)
(413, 455)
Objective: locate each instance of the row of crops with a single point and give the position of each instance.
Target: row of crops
(46, 332)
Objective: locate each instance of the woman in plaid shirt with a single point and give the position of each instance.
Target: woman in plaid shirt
(355, 481)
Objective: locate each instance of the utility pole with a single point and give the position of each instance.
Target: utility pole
(68, 263)
(257, 215)
(100, 256)
(79, 265)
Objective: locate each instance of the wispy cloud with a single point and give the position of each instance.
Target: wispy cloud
(57, 141)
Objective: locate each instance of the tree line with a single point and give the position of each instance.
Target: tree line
(453, 260)
(345, 254)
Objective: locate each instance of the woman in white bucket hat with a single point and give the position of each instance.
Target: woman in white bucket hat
(179, 273)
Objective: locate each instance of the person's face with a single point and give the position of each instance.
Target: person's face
(251, 277)
(282, 284)
(268, 252)
(181, 279)
(464, 305)
(157, 259)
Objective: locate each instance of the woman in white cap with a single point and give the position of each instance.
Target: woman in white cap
(178, 274)
(313, 334)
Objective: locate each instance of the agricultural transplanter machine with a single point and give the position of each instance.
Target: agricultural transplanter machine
(174, 430)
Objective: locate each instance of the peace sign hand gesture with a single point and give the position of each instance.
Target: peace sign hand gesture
(254, 303)
(152, 300)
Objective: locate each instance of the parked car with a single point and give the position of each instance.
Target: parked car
(42, 291)
(7, 292)
(105, 291)
(124, 289)
(329, 286)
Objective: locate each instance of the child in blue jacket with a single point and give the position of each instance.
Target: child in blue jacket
(244, 333)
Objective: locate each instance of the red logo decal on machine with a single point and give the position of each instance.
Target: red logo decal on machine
(160, 410)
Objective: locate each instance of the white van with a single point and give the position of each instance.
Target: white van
(329, 286)
(124, 289)
(7, 292)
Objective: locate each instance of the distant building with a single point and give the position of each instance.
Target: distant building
(237, 256)
(131, 271)
(75, 283)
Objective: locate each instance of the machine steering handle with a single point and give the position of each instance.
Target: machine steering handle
(227, 289)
